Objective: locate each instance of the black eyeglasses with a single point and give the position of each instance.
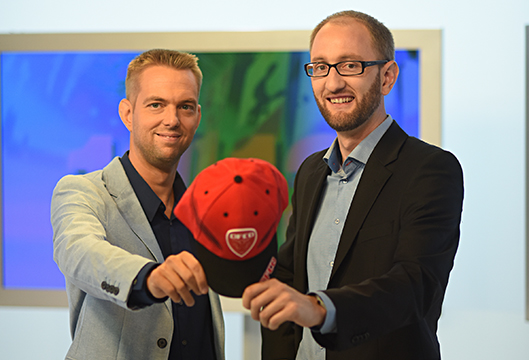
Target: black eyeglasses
(344, 68)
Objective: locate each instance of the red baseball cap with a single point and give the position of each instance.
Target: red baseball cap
(233, 208)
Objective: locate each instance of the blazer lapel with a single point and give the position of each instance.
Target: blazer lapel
(314, 187)
(311, 188)
(373, 179)
(118, 186)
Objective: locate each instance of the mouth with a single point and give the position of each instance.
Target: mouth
(169, 136)
(341, 99)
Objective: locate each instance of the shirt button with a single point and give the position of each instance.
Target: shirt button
(184, 342)
(337, 221)
(344, 181)
(331, 263)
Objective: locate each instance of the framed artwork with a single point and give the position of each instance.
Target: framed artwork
(58, 108)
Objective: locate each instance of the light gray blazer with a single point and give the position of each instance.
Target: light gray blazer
(101, 240)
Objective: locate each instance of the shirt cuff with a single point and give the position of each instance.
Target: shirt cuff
(329, 323)
(140, 296)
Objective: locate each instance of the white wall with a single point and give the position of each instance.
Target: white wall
(483, 124)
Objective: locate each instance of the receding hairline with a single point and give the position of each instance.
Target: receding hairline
(376, 29)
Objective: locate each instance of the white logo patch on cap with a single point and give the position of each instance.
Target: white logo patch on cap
(241, 241)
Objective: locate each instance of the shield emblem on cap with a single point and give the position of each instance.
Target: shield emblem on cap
(241, 241)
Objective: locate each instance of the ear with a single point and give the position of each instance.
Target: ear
(199, 109)
(390, 73)
(125, 113)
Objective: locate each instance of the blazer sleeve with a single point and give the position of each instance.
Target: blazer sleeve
(89, 241)
(423, 245)
(283, 342)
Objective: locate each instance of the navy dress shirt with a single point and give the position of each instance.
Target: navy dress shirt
(193, 326)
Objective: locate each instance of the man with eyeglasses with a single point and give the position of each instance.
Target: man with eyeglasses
(375, 223)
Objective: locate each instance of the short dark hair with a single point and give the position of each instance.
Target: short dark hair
(380, 34)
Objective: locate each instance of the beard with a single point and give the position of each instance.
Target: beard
(341, 122)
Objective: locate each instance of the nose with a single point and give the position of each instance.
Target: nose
(171, 119)
(334, 81)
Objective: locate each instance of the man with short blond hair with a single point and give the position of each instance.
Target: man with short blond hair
(135, 289)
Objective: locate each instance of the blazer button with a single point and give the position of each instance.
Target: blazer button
(162, 343)
(113, 290)
(360, 338)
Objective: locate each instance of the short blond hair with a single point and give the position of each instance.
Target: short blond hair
(159, 57)
(380, 34)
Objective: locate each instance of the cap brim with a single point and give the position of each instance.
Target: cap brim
(231, 277)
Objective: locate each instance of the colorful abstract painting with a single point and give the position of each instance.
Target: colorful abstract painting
(59, 116)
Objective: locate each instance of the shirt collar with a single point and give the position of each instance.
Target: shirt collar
(150, 202)
(361, 152)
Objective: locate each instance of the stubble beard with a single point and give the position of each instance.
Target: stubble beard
(155, 157)
(342, 121)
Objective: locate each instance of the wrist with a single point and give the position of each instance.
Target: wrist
(321, 310)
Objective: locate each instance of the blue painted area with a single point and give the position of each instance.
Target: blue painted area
(60, 116)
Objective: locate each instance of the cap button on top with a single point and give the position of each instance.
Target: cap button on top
(238, 179)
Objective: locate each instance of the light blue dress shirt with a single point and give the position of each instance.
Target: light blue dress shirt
(337, 195)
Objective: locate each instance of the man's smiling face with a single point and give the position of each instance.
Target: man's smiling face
(164, 116)
(346, 102)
